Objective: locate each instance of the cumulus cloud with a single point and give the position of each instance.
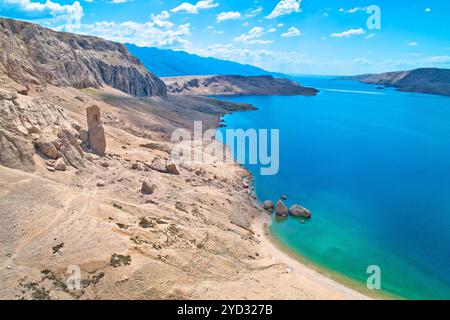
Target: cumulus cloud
(158, 32)
(70, 14)
(285, 7)
(230, 15)
(187, 7)
(253, 36)
(348, 33)
(292, 32)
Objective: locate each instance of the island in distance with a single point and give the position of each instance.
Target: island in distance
(235, 85)
(424, 80)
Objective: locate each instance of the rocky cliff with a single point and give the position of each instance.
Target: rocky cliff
(426, 80)
(31, 54)
(235, 85)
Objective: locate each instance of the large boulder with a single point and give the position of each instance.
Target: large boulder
(147, 187)
(171, 168)
(46, 148)
(281, 209)
(299, 211)
(268, 205)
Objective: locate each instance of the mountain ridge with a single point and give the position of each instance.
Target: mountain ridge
(36, 55)
(422, 80)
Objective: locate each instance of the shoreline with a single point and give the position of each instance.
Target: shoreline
(310, 272)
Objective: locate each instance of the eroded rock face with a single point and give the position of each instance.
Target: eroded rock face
(37, 55)
(268, 205)
(46, 148)
(22, 119)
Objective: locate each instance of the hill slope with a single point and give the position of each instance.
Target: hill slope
(235, 85)
(32, 54)
(425, 80)
(169, 63)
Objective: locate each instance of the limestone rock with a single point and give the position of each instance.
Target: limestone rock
(84, 136)
(47, 148)
(43, 56)
(268, 205)
(96, 133)
(60, 165)
(147, 187)
(171, 168)
(281, 209)
(299, 211)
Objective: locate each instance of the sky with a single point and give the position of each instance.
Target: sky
(322, 37)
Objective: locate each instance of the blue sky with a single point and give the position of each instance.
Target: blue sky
(292, 36)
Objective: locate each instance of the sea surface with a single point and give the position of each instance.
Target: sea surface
(373, 166)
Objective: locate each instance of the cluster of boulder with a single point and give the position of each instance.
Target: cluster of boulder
(70, 145)
(282, 210)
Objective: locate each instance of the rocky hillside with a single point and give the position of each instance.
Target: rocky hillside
(426, 80)
(31, 54)
(235, 85)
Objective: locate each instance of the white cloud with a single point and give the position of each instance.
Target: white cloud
(254, 12)
(440, 59)
(352, 10)
(292, 32)
(348, 33)
(271, 30)
(253, 36)
(230, 15)
(158, 32)
(413, 44)
(285, 7)
(70, 14)
(428, 10)
(195, 8)
(370, 36)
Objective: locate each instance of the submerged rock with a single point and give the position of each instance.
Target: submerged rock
(281, 209)
(299, 211)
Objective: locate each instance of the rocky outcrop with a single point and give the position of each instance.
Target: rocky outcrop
(281, 209)
(22, 120)
(425, 80)
(32, 54)
(147, 187)
(96, 134)
(299, 211)
(235, 85)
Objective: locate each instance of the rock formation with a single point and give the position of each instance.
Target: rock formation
(235, 85)
(268, 205)
(96, 132)
(33, 55)
(299, 211)
(281, 209)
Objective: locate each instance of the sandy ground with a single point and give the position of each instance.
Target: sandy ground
(198, 236)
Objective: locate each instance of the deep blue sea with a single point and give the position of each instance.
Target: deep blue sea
(373, 166)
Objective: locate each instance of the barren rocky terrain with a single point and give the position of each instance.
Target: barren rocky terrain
(235, 85)
(130, 223)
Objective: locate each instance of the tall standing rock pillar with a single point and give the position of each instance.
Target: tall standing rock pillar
(97, 140)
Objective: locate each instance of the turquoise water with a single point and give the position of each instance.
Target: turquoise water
(374, 168)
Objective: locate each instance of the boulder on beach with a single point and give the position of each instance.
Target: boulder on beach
(299, 211)
(281, 209)
(268, 205)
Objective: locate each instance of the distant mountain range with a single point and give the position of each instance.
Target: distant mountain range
(424, 80)
(170, 63)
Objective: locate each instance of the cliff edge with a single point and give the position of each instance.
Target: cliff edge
(32, 54)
